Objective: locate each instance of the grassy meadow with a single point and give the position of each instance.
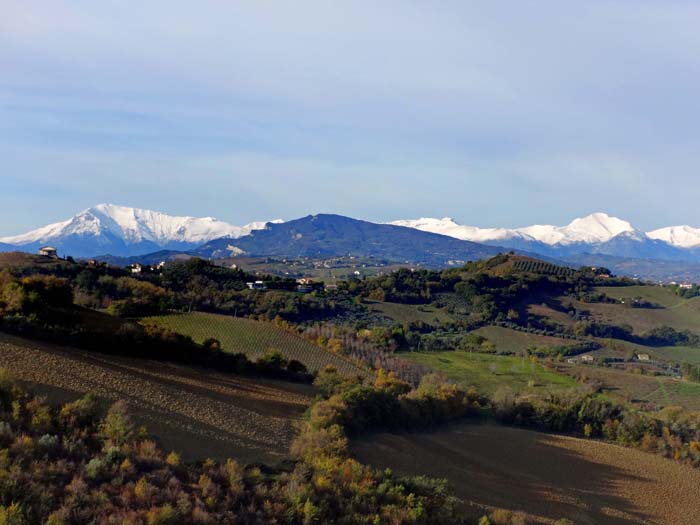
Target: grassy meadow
(487, 373)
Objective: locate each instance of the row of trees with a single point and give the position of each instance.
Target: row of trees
(675, 435)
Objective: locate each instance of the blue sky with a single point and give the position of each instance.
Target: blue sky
(494, 113)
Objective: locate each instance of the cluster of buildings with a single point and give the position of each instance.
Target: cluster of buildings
(137, 268)
(304, 285)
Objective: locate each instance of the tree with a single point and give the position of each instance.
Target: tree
(118, 428)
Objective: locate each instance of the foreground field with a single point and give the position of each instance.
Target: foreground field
(487, 373)
(199, 413)
(588, 482)
(253, 338)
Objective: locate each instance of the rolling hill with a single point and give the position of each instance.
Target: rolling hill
(253, 338)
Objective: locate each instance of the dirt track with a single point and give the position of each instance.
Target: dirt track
(551, 476)
(197, 412)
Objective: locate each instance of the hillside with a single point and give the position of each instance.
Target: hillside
(544, 477)
(253, 338)
(200, 413)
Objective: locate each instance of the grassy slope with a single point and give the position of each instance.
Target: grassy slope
(253, 338)
(408, 313)
(681, 314)
(487, 373)
(634, 388)
(508, 340)
(657, 294)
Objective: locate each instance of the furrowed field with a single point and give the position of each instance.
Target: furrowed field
(253, 338)
(546, 477)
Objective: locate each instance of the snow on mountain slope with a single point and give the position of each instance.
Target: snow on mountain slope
(107, 225)
(449, 227)
(679, 236)
(595, 228)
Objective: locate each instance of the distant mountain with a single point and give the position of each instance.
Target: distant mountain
(598, 233)
(123, 231)
(329, 235)
(680, 236)
(119, 233)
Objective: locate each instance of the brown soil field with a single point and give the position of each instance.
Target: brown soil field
(199, 413)
(548, 476)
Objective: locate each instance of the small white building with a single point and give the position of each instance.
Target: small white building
(136, 268)
(49, 251)
(643, 357)
(257, 285)
(587, 358)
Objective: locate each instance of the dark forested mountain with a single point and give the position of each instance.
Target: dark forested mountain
(326, 235)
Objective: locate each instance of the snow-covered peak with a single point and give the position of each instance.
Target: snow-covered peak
(449, 227)
(133, 226)
(595, 228)
(599, 227)
(679, 236)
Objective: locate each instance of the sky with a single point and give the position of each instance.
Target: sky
(493, 113)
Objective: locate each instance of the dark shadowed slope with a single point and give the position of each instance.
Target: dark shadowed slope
(588, 482)
(196, 412)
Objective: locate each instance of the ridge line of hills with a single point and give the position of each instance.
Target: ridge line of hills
(122, 235)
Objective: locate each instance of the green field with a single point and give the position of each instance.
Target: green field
(681, 314)
(410, 313)
(641, 389)
(487, 373)
(253, 338)
(512, 341)
(657, 294)
(677, 393)
(625, 349)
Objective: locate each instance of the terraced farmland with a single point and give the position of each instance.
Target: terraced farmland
(253, 338)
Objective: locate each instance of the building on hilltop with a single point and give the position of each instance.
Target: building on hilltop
(257, 285)
(49, 251)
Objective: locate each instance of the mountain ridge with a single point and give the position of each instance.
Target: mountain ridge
(598, 233)
(122, 230)
(131, 232)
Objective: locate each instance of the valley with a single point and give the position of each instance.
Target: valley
(294, 377)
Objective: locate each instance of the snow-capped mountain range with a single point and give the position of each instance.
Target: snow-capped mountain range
(598, 233)
(123, 231)
(119, 230)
